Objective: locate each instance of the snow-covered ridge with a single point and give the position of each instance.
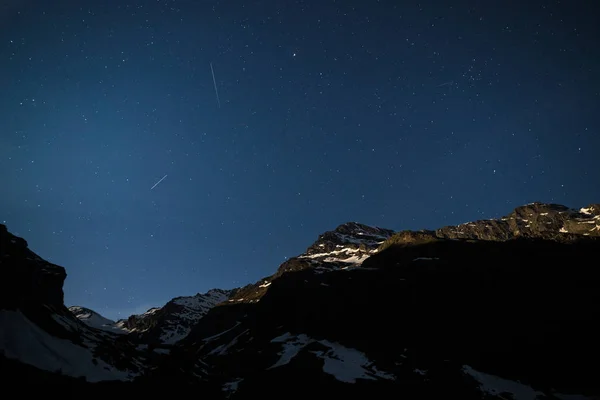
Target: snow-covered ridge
(95, 320)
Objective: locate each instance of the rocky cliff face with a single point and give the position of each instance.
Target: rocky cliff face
(27, 279)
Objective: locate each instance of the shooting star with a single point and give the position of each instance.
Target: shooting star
(161, 179)
(446, 83)
(215, 83)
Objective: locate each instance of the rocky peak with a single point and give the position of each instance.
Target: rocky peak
(347, 246)
(346, 240)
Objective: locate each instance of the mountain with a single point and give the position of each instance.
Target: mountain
(493, 309)
(174, 321)
(344, 248)
(38, 330)
(95, 320)
(159, 325)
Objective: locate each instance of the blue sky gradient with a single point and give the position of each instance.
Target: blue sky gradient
(387, 113)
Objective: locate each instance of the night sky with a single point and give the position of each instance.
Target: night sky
(389, 113)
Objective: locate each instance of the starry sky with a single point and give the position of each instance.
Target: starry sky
(274, 121)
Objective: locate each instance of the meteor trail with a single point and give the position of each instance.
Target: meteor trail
(161, 179)
(215, 83)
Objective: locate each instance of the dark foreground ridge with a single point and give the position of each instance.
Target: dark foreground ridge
(494, 309)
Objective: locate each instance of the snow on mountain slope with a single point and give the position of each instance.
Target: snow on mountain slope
(346, 246)
(28, 343)
(343, 363)
(496, 386)
(174, 321)
(189, 311)
(95, 320)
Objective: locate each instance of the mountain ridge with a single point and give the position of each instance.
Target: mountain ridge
(351, 243)
(470, 310)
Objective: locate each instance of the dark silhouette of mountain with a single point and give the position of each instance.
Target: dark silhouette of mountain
(497, 309)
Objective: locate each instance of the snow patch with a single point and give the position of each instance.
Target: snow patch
(562, 396)
(232, 386)
(348, 365)
(343, 363)
(265, 284)
(291, 347)
(495, 385)
(331, 253)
